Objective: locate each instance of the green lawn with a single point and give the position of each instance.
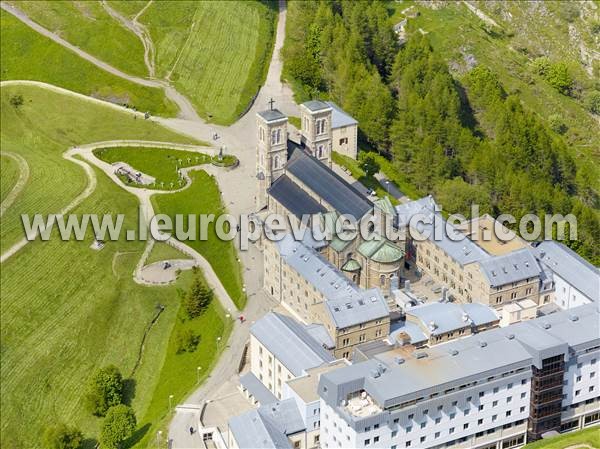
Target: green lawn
(161, 163)
(216, 53)
(358, 173)
(42, 129)
(161, 251)
(88, 26)
(66, 309)
(128, 8)
(203, 197)
(179, 375)
(589, 436)
(27, 55)
(9, 174)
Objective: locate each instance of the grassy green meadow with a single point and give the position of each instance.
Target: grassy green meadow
(27, 55)
(160, 163)
(88, 26)
(590, 437)
(179, 374)
(66, 309)
(9, 174)
(128, 8)
(203, 197)
(42, 129)
(216, 53)
(162, 251)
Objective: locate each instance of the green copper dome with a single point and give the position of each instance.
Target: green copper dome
(351, 265)
(382, 251)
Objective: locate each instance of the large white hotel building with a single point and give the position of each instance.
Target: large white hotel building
(497, 389)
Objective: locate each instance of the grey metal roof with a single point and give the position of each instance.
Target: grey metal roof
(413, 331)
(293, 198)
(458, 246)
(512, 267)
(339, 117)
(322, 275)
(570, 266)
(284, 416)
(406, 211)
(319, 333)
(488, 353)
(316, 105)
(439, 317)
(257, 389)
(350, 311)
(251, 432)
(272, 115)
(290, 343)
(267, 427)
(480, 313)
(329, 186)
(336, 288)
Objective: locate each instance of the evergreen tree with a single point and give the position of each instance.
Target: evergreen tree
(197, 299)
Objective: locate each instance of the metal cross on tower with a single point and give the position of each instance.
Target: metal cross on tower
(271, 102)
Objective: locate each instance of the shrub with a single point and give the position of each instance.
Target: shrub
(104, 390)
(187, 341)
(118, 425)
(61, 436)
(556, 124)
(16, 101)
(592, 102)
(369, 164)
(559, 77)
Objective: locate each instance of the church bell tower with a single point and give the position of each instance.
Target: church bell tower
(271, 151)
(315, 119)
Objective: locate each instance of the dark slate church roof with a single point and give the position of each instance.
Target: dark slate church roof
(293, 198)
(329, 186)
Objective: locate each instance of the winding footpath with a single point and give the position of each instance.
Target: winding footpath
(139, 30)
(237, 190)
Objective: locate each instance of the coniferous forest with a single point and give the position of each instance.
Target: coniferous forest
(465, 141)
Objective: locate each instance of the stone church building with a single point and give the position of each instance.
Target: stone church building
(296, 179)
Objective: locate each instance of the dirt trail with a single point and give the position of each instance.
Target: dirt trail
(140, 31)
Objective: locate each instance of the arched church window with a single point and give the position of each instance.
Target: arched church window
(261, 132)
(382, 280)
(275, 136)
(320, 151)
(276, 161)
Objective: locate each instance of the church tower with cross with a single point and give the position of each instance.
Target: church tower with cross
(271, 150)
